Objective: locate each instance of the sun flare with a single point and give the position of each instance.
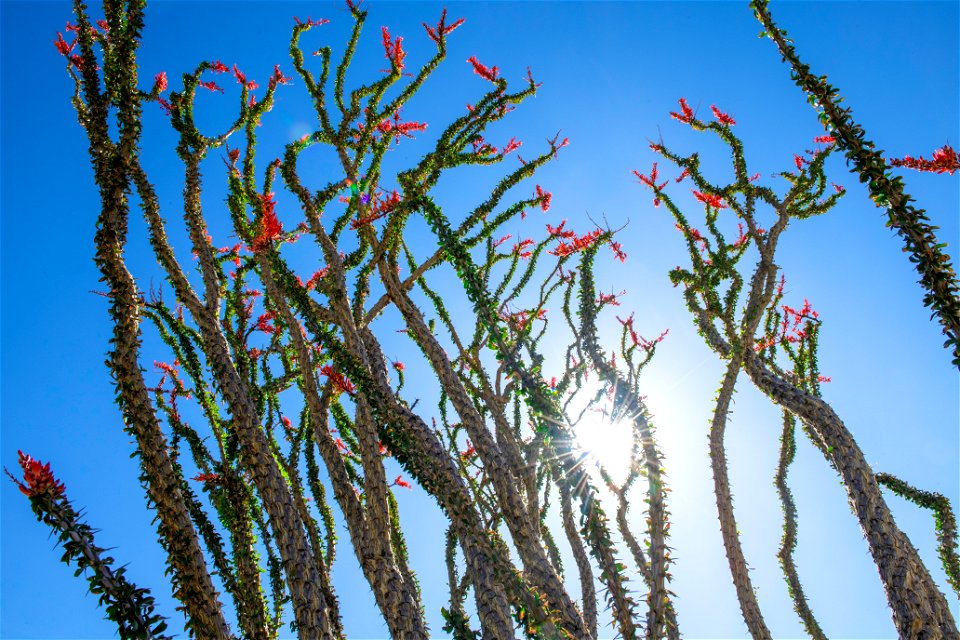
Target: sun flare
(606, 442)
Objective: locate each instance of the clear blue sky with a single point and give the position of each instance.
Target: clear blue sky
(610, 73)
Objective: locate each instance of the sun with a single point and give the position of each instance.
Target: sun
(607, 441)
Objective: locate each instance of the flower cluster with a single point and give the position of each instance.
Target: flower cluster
(340, 381)
(721, 117)
(545, 197)
(393, 49)
(709, 199)
(576, 244)
(442, 29)
(945, 160)
(636, 338)
(38, 480)
(270, 228)
(484, 72)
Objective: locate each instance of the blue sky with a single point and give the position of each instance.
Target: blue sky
(611, 72)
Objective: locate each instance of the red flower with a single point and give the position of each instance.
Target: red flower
(545, 198)
(211, 85)
(798, 160)
(219, 67)
(399, 366)
(714, 201)
(62, 45)
(441, 29)
(513, 145)
(824, 139)
(721, 117)
(212, 478)
(559, 231)
(400, 482)
(397, 128)
(945, 160)
(618, 252)
(263, 323)
(242, 79)
(394, 51)
(316, 278)
(686, 117)
(469, 452)
(565, 249)
(520, 248)
(270, 226)
(340, 381)
(482, 71)
(160, 82)
(608, 298)
(652, 180)
(37, 478)
(277, 77)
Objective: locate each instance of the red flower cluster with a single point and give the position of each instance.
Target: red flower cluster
(618, 251)
(469, 452)
(651, 181)
(271, 227)
(790, 331)
(441, 30)
(609, 298)
(519, 320)
(37, 478)
(741, 238)
(379, 208)
(545, 197)
(400, 482)
(482, 71)
(160, 82)
(521, 248)
(559, 231)
(695, 235)
(824, 139)
(708, 199)
(316, 278)
(340, 381)
(577, 244)
(945, 160)
(277, 77)
(212, 478)
(637, 339)
(721, 117)
(394, 49)
(65, 48)
(397, 128)
(513, 145)
(686, 116)
(242, 79)
(211, 85)
(263, 323)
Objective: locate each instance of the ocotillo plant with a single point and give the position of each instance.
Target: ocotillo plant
(937, 275)
(729, 318)
(504, 437)
(291, 377)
